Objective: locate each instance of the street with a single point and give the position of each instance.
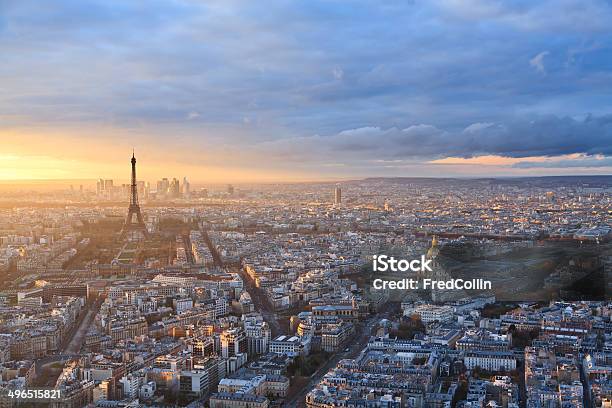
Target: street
(262, 305)
(355, 346)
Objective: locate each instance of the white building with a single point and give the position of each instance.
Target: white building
(429, 313)
(258, 337)
(131, 385)
(182, 304)
(490, 360)
(193, 383)
(290, 345)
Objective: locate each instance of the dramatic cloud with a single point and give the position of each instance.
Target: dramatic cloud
(524, 137)
(231, 75)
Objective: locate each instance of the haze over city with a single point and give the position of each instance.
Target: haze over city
(229, 91)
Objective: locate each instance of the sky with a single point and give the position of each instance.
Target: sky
(244, 91)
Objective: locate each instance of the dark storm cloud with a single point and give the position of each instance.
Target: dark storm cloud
(524, 137)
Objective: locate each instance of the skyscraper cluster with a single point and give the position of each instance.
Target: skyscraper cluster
(167, 188)
(104, 188)
(164, 188)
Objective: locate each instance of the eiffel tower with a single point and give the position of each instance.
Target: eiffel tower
(131, 226)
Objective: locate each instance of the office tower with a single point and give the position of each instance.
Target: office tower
(163, 187)
(134, 226)
(99, 186)
(126, 190)
(108, 189)
(230, 189)
(337, 196)
(174, 189)
(141, 188)
(186, 187)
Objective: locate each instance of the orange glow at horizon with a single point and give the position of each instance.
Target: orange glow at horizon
(24, 168)
(105, 152)
(32, 156)
(492, 160)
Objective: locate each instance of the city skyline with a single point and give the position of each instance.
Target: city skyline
(276, 294)
(329, 203)
(321, 91)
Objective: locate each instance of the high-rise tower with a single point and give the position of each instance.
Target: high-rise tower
(131, 226)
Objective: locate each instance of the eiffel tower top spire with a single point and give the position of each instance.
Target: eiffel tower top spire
(134, 187)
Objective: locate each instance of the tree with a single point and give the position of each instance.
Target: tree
(409, 327)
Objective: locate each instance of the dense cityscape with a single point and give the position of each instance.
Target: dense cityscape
(306, 204)
(261, 296)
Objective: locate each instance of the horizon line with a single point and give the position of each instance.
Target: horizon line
(319, 180)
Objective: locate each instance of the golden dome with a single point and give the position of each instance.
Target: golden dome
(433, 250)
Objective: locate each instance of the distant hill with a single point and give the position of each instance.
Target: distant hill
(544, 181)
